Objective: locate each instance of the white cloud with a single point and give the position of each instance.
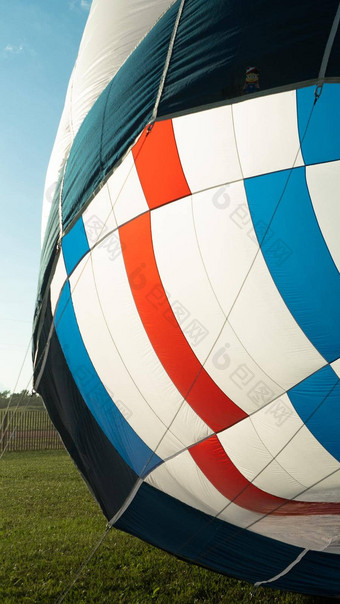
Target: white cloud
(14, 49)
(11, 49)
(83, 4)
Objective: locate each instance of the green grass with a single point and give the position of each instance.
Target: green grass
(49, 522)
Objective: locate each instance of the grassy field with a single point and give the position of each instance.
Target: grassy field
(50, 522)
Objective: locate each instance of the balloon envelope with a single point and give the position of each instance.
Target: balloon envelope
(187, 329)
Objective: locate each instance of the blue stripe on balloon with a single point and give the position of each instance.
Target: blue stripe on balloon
(297, 255)
(125, 440)
(74, 245)
(317, 401)
(321, 142)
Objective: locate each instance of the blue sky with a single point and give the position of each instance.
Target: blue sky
(39, 40)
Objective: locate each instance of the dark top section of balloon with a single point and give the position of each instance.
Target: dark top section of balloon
(218, 41)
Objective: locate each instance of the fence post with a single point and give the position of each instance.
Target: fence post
(4, 431)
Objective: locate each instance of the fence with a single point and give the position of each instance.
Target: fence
(28, 430)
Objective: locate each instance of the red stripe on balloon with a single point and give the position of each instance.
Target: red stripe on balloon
(159, 166)
(164, 332)
(212, 459)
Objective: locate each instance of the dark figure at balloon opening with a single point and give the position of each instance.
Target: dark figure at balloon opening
(252, 80)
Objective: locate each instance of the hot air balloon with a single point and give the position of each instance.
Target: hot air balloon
(187, 326)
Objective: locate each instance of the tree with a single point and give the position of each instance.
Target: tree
(20, 399)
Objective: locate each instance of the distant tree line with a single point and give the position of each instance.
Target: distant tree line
(21, 399)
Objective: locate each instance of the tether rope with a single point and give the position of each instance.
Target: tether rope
(3, 431)
(328, 50)
(167, 62)
(84, 565)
